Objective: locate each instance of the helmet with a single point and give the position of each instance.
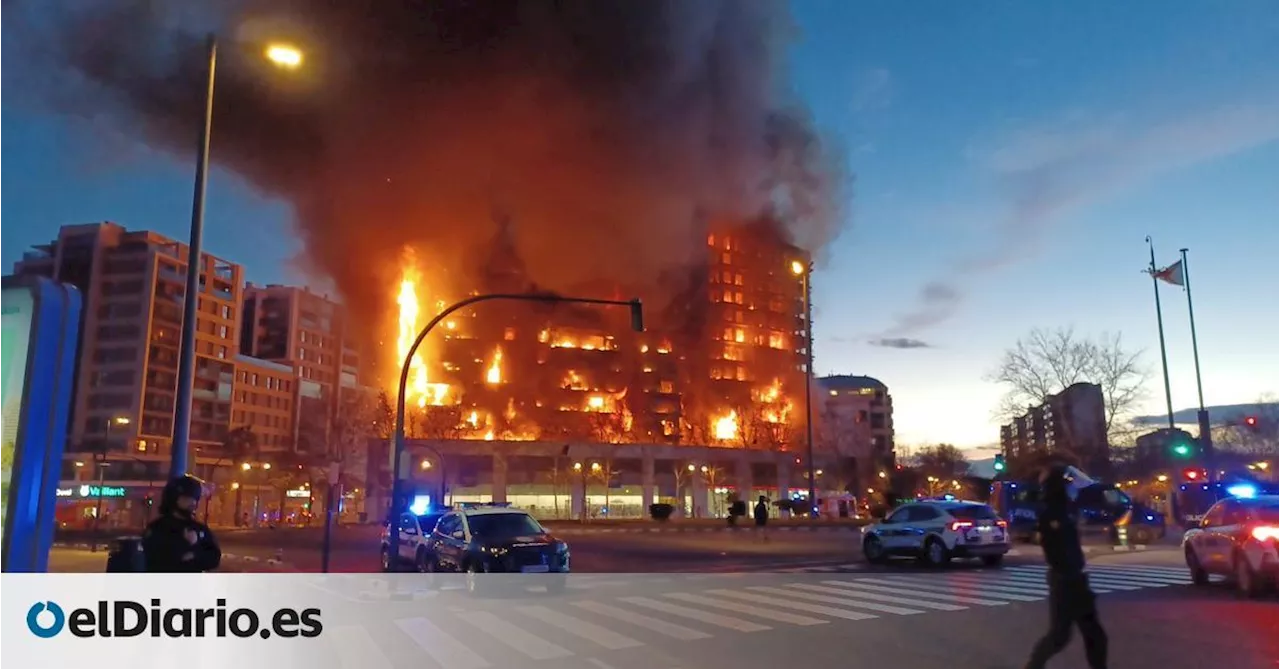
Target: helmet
(182, 486)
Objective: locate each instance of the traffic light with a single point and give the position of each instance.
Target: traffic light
(999, 464)
(1182, 446)
(1192, 474)
(1251, 421)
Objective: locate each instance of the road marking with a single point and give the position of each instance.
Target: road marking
(799, 606)
(1040, 580)
(1017, 595)
(1025, 585)
(356, 648)
(647, 622)
(514, 637)
(577, 626)
(918, 593)
(777, 616)
(702, 616)
(443, 647)
(851, 600)
(881, 597)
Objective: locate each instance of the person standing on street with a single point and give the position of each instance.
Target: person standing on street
(176, 541)
(761, 515)
(1071, 600)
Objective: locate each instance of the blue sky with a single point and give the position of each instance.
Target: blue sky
(1015, 154)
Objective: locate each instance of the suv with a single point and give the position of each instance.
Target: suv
(415, 529)
(1238, 537)
(488, 540)
(937, 531)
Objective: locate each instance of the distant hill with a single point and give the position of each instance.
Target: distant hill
(1228, 413)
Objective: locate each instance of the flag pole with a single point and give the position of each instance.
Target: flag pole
(1164, 355)
(1202, 417)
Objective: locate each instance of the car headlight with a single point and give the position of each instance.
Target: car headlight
(562, 548)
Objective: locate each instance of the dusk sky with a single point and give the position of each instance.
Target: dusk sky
(1016, 153)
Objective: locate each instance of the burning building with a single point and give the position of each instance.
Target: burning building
(719, 372)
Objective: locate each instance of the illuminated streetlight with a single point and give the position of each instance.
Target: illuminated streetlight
(1162, 478)
(804, 271)
(1263, 465)
(235, 485)
(704, 469)
(883, 475)
(246, 467)
(691, 467)
(284, 55)
(932, 479)
(577, 466)
(595, 466)
(426, 464)
(120, 420)
(266, 465)
(797, 267)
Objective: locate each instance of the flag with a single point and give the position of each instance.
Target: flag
(1172, 274)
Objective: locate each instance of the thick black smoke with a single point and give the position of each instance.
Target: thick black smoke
(605, 130)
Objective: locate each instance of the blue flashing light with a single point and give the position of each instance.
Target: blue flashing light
(421, 504)
(1243, 490)
(1150, 517)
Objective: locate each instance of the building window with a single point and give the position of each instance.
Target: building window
(737, 298)
(222, 352)
(777, 340)
(726, 258)
(737, 279)
(666, 387)
(509, 334)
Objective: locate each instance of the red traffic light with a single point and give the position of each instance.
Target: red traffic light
(1191, 474)
(1251, 421)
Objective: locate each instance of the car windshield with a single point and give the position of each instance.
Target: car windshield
(973, 512)
(428, 521)
(503, 525)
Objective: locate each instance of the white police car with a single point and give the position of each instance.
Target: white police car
(935, 531)
(1239, 537)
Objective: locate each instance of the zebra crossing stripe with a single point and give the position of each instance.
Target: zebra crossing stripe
(880, 597)
(777, 616)
(850, 599)
(798, 606)
(1115, 575)
(695, 614)
(1094, 582)
(639, 620)
(441, 646)
(579, 627)
(356, 648)
(509, 635)
(859, 585)
(1014, 594)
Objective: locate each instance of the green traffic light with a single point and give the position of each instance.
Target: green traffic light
(1182, 450)
(999, 466)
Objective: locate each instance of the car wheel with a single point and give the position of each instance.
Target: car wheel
(1198, 575)
(1246, 580)
(873, 550)
(1141, 536)
(992, 560)
(935, 553)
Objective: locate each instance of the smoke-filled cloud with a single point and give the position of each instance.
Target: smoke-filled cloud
(605, 130)
(1048, 171)
(900, 342)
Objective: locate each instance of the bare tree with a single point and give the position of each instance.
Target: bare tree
(1045, 362)
(942, 461)
(1256, 435)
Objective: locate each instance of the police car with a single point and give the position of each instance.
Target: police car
(1239, 538)
(935, 531)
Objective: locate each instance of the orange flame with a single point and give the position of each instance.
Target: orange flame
(419, 388)
(494, 376)
(725, 428)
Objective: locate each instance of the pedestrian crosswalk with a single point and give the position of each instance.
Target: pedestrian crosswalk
(587, 622)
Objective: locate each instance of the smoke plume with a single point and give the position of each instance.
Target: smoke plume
(603, 130)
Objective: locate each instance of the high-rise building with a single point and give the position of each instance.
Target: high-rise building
(1072, 421)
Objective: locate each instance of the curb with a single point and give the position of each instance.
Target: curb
(271, 561)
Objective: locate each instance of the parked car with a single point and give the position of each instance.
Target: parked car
(1237, 538)
(936, 531)
(486, 540)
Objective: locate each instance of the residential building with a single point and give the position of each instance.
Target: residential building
(854, 416)
(133, 283)
(1072, 421)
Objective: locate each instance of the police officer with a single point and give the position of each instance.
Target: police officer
(176, 541)
(1071, 601)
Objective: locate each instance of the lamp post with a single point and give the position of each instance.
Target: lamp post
(283, 56)
(805, 271)
(397, 450)
(102, 476)
(426, 466)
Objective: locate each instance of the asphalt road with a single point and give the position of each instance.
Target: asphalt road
(595, 550)
(956, 618)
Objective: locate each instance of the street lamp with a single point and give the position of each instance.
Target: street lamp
(118, 421)
(805, 271)
(283, 56)
(397, 450)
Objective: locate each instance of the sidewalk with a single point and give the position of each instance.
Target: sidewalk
(81, 560)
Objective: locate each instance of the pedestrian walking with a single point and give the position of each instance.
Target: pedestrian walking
(1071, 600)
(176, 541)
(761, 515)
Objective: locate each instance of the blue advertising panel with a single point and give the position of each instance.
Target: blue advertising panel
(41, 322)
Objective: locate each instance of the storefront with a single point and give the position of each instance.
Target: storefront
(122, 506)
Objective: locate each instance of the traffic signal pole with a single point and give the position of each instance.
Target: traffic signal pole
(1202, 416)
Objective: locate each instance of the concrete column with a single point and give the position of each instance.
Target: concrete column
(647, 486)
(498, 493)
(743, 480)
(784, 479)
(577, 497)
(698, 491)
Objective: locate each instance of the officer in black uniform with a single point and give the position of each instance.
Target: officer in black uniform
(176, 541)
(1071, 601)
